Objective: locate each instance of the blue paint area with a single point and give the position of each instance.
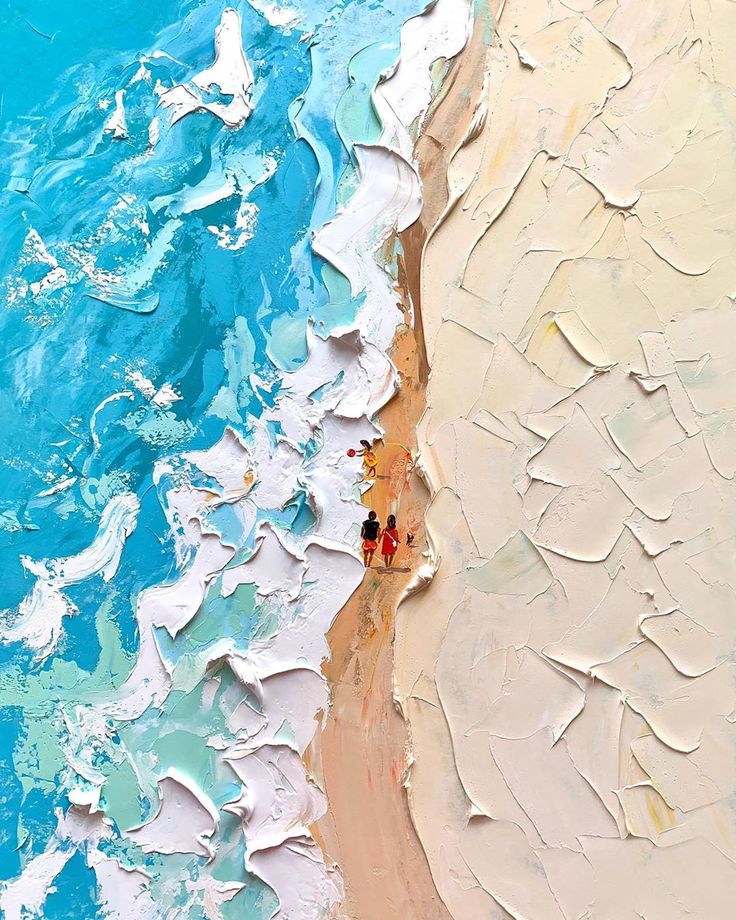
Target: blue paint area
(37, 810)
(11, 793)
(74, 895)
(80, 642)
(110, 266)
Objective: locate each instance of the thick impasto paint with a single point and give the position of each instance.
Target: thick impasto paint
(366, 509)
(193, 196)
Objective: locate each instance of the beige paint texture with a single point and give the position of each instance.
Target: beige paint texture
(568, 675)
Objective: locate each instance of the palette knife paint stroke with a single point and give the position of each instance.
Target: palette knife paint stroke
(200, 285)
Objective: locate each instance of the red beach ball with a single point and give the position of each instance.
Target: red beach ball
(351, 452)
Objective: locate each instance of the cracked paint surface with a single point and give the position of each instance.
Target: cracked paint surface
(567, 673)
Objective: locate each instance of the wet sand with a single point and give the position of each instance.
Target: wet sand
(360, 757)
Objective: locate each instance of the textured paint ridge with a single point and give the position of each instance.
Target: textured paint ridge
(567, 672)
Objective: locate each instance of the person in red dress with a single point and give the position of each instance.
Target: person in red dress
(390, 542)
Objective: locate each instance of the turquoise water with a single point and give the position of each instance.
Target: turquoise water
(109, 266)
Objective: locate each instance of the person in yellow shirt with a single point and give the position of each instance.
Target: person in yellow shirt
(370, 460)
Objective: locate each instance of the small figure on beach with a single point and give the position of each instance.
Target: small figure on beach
(369, 534)
(390, 541)
(410, 539)
(370, 460)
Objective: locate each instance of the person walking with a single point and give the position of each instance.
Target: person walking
(369, 533)
(390, 542)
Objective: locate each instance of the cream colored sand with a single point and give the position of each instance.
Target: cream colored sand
(567, 678)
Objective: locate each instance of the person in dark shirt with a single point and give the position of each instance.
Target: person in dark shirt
(369, 533)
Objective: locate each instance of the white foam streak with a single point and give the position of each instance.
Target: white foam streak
(123, 893)
(38, 620)
(116, 123)
(25, 896)
(185, 821)
(230, 73)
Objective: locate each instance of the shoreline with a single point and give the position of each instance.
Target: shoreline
(362, 756)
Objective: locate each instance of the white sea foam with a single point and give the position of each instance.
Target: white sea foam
(305, 580)
(116, 123)
(231, 73)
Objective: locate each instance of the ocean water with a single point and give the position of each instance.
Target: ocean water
(157, 280)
